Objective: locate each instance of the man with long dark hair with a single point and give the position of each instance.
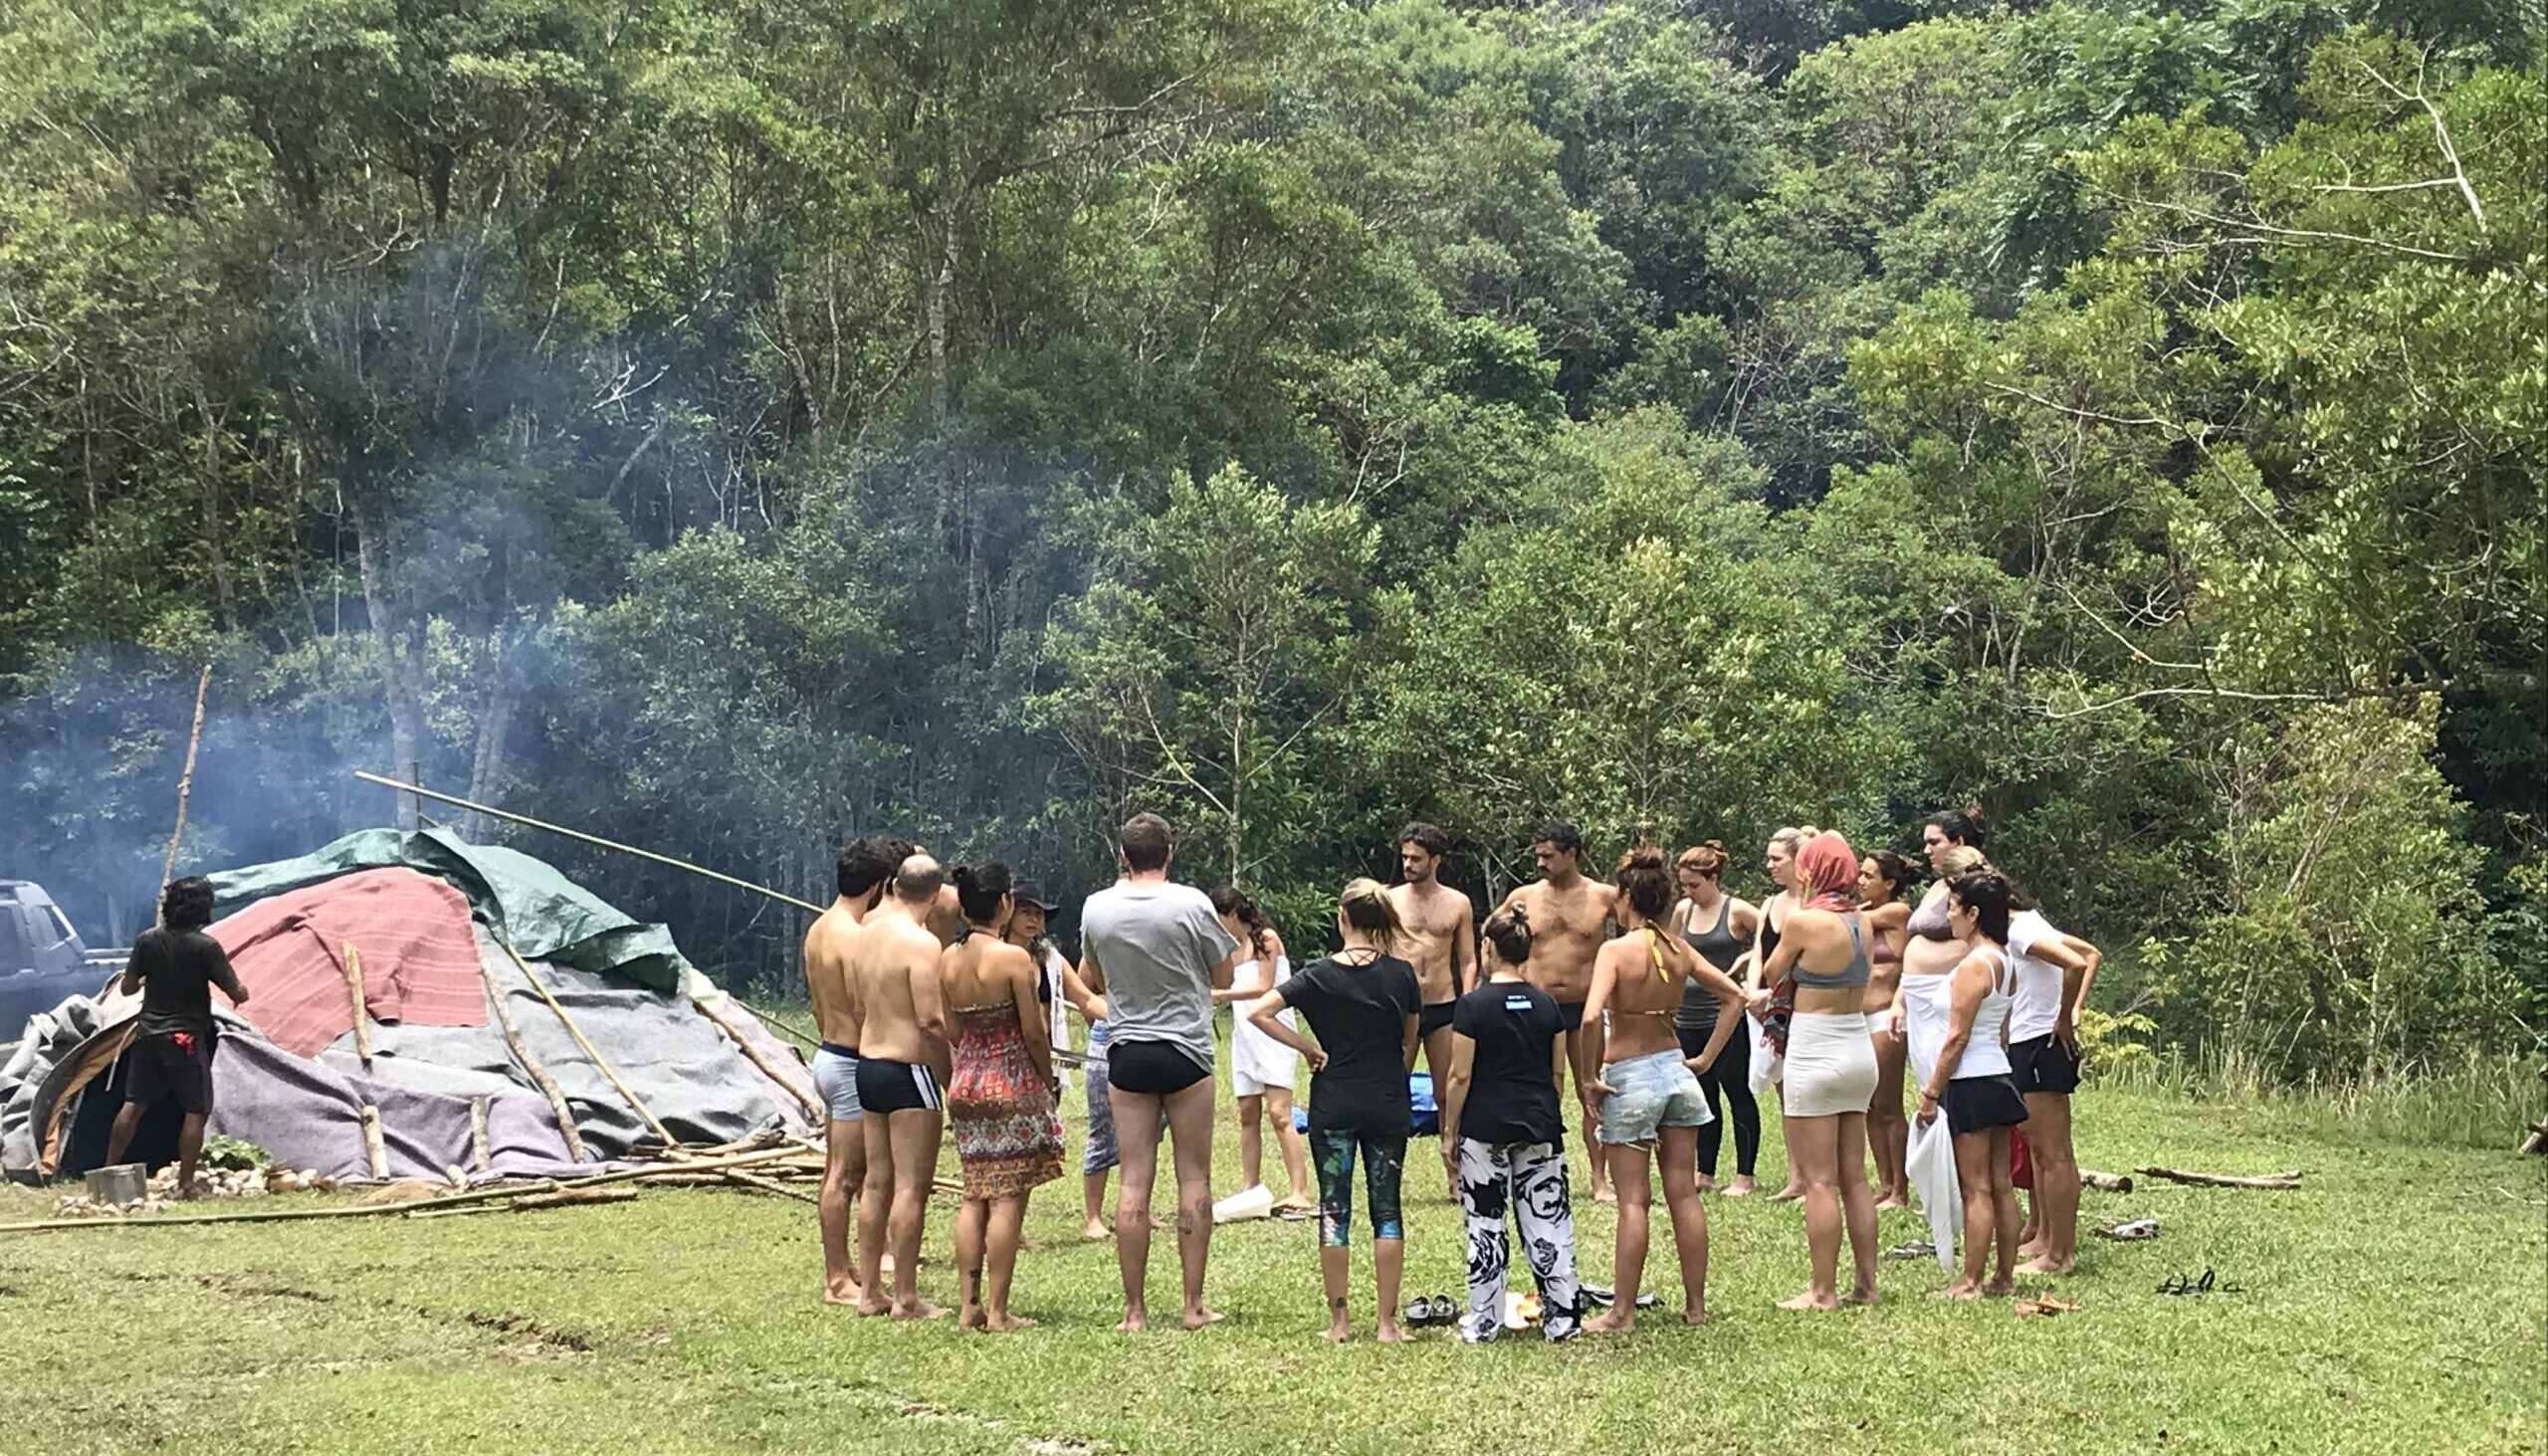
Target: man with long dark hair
(175, 967)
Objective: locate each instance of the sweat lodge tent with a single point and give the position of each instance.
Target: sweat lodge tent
(425, 918)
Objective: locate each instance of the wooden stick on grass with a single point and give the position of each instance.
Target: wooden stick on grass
(284, 1215)
(2224, 1180)
(2106, 1182)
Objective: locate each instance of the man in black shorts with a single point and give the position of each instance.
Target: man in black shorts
(1155, 952)
(175, 966)
(1439, 942)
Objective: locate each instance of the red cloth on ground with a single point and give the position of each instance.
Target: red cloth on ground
(411, 931)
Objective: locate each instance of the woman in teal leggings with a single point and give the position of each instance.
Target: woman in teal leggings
(1362, 1003)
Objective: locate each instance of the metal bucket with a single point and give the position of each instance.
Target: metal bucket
(124, 1183)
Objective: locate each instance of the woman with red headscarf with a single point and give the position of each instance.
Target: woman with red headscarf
(1831, 1068)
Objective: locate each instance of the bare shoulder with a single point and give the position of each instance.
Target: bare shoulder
(1274, 942)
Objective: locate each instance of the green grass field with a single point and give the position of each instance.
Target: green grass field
(2395, 1304)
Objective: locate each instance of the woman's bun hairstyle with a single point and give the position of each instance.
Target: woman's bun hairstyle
(1508, 932)
(1648, 880)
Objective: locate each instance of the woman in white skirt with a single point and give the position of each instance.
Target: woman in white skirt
(1261, 1069)
(1830, 1068)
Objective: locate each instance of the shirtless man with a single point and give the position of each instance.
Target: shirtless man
(1440, 942)
(864, 866)
(1568, 914)
(902, 1068)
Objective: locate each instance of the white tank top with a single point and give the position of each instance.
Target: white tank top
(1986, 1052)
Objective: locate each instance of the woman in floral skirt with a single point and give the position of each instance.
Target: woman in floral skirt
(1000, 1099)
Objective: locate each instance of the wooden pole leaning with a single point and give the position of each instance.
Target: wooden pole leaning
(375, 1148)
(532, 1064)
(592, 1053)
(187, 781)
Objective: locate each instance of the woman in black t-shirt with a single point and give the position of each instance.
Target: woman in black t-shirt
(1362, 1002)
(1504, 1140)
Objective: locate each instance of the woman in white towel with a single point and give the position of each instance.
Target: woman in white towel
(1831, 1068)
(1261, 1069)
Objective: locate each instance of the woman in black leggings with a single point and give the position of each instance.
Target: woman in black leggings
(1719, 928)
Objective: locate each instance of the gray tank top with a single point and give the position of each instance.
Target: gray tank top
(1719, 948)
(1859, 969)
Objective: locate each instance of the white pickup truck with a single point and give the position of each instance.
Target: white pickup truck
(42, 959)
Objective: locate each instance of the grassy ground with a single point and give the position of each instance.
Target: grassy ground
(2395, 1304)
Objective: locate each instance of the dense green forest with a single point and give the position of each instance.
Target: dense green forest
(733, 426)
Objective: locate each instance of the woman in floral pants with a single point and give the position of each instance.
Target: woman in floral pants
(1504, 1140)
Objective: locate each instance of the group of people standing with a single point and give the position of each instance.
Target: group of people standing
(1666, 1002)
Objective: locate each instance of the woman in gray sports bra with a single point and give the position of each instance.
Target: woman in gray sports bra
(1830, 1070)
(1719, 928)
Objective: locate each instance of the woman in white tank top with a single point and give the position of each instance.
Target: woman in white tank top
(1971, 1084)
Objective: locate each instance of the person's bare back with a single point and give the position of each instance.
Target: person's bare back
(891, 955)
(827, 981)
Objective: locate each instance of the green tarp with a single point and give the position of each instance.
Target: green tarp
(541, 913)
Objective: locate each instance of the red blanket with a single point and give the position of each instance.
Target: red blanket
(411, 931)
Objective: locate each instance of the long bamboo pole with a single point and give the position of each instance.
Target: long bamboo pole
(187, 781)
(592, 839)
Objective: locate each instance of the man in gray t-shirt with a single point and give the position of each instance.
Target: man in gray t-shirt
(1157, 953)
(1157, 945)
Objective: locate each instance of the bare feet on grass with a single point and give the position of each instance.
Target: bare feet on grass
(1618, 1319)
(1788, 1194)
(916, 1309)
(2045, 1264)
(1961, 1288)
(1391, 1332)
(1006, 1323)
(1096, 1231)
(1697, 1316)
(1810, 1302)
(1891, 1201)
(1741, 1187)
(1134, 1322)
(1863, 1298)
(843, 1291)
(1199, 1315)
(2000, 1287)
(1606, 1197)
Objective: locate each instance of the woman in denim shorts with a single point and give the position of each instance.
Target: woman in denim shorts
(1652, 1106)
